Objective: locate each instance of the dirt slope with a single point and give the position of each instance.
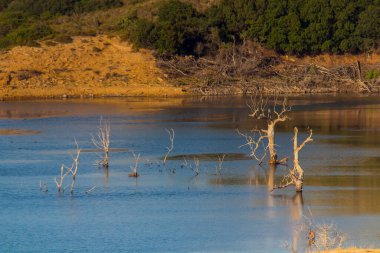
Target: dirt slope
(89, 66)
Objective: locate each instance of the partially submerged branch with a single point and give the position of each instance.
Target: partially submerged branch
(62, 178)
(102, 142)
(220, 164)
(74, 167)
(134, 169)
(295, 175)
(171, 146)
(196, 167)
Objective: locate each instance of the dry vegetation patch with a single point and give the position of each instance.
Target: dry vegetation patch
(88, 66)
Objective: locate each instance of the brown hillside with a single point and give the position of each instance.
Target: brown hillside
(89, 66)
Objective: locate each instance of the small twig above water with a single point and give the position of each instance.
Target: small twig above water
(171, 146)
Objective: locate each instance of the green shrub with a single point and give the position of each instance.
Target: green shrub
(4, 4)
(27, 34)
(137, 31)
(372, 74)
(65, 7)
(92, 5)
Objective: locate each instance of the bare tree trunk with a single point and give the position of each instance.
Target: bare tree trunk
(102, 142)
(295, 176)
(74, 168)
(359, 70)
(299, 179)
(62, 178)
(271, 144)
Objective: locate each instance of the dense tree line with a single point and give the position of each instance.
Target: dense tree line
(287, 26)
(22, 22)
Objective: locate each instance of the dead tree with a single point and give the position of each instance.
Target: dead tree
(254, 142)
(43, 187)
(134, 169)
(196, 167)
(74, 167)
(220, 164)
(62, 178)
(261, 110)
(171, 147)
(295, 175)
(102, 142)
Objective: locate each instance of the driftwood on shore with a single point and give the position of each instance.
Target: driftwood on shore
(248, 69)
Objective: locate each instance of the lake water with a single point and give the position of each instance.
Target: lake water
(169, 209)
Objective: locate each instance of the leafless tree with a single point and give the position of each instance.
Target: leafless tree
(295, 175)
(102, 142)
(220, 164)
(62, 178)
(261, 110)
(74, 167)
(134, 169)
(171, 146)
(196, 167)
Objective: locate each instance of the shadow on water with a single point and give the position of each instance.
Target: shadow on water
(211, 156)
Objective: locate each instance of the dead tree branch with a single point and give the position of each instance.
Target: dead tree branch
(261, 110)
(134, 169)
(220, 164)
(196, 167)
(102, 142)
(62, 178)
(74, 167)
(90, 190)
(169, 148)
(254, 143)
(296, 174)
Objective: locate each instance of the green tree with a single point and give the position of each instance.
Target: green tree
(179, 28)
(368, 26)
(317, 17)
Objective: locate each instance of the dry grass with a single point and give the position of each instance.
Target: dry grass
(331, 61)
(89, 66)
